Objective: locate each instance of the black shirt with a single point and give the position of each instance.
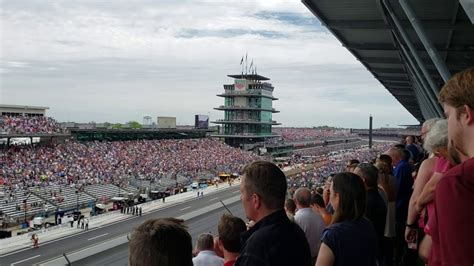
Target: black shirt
(376, 212)
(274, 241)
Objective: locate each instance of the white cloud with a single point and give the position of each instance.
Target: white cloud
(114, 61)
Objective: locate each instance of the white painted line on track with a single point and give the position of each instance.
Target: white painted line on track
(185, 208)
(97, 236)
(213, 199)
(25, 259)
(235, 192)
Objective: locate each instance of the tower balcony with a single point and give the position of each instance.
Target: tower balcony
(249, 107)
(246, 135)
(250, 93)
(246, 121)
(256, 86)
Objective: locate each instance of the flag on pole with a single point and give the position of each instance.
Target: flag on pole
(246, 65)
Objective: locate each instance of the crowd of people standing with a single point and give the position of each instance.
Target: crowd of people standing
(107, 162)
(28, 125)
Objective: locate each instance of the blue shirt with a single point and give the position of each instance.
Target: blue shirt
(352, 242)
(402, 174)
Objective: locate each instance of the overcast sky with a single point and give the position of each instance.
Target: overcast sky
(115, 61)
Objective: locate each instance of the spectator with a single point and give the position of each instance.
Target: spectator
(318, 206)
(290, 209)
(351, 238)
(205, 252)
(425, 128)
(273, 240)
(35, 240)
(86, 224)
(351, 165)
(375, 210)
(402, 173)
(388, 184)
(451, 229)
(163, 241)
(326, 194)
(436, 142)
(387, 160)
(412, 148)
(229, 230)
(311, 223)
(29, 125)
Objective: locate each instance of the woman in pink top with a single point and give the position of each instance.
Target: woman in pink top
(436, 142)
(424, 173)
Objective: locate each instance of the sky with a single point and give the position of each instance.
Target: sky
(115, 61)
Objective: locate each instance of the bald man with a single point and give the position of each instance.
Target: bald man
(311, 222)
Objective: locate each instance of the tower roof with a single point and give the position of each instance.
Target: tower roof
(248, 76)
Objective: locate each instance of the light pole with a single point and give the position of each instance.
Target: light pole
(25, 204)
(118, 185)
(77, 199)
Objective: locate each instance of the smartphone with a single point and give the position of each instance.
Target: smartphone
(413, 245)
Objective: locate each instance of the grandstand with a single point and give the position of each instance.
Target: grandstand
(66, 198)
(13, 205)
(98, 134)
(22, 110)
(104, 192)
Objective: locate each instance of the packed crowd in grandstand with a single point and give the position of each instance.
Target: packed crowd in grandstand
(333, 161)
(103, 162)
(291, 134)
(28, 125)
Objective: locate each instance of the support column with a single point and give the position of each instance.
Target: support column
(430, 48)
(434, 88)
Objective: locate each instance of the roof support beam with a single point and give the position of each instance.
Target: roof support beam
(380, 24)
(432, 85)
(395, 87)
(402, 93)
(388, 70)
(389, 47)
(397, 61)
(397, 83)
(420, 86)
(432, 52)
(426, 111)
(396, 79)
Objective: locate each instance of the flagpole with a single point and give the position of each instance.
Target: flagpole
(246, 69)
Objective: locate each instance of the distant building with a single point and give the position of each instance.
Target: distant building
(24, 110)
(247, 111)
(166, 122)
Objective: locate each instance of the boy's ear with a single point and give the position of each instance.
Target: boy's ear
(469, 114)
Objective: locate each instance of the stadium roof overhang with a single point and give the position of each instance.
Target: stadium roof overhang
(391, 39)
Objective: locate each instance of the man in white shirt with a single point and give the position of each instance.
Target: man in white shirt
(206, 255)
(311, 223)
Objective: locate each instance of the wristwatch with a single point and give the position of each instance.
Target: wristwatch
(413, 225)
